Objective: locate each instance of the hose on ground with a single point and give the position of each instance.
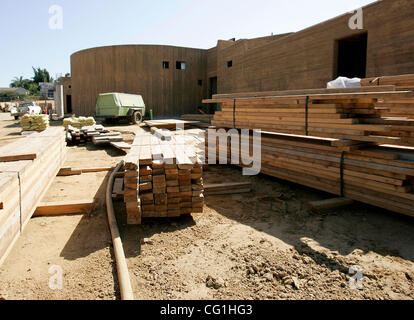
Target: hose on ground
(121, 265)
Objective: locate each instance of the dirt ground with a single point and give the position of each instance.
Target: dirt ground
(262, 245)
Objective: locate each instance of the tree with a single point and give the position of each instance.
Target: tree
(19, 82)
(41, 75)
(16, 82)
(33, 88)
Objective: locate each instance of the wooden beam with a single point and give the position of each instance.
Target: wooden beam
(64, 208)
(227, 188)
(329, 204)
(77, 172)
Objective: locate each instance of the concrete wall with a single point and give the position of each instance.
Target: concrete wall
(306, 59)
(138, 69)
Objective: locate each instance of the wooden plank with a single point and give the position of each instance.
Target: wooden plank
(329, 204)
(65, 208)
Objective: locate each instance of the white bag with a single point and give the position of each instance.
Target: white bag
(343, 82)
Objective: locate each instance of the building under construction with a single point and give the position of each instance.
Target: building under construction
(174, 80)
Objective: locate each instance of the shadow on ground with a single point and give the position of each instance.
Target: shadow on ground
(279, 208)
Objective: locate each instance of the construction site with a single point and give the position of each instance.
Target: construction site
(241, 172)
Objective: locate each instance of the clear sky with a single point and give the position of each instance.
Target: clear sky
(27, 40)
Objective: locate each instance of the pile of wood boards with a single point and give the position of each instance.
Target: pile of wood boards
(353, 116)
(340, 143)
(163, 178)
(401, 82)
(97, 134)
(27, 168)
(380, 175)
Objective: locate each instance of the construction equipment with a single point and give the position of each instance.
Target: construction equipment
(121, 105)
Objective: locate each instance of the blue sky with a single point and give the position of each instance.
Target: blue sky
(27, 40)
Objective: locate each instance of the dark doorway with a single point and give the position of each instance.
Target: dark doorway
(351, 56)
(68, 104)
(212, 108)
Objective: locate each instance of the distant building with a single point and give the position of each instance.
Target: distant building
(19, 91)
(47, 89)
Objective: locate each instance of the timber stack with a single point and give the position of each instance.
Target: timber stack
(27, 168)
(97, 134)
(163, 177)
(338, 143)
(353, 116)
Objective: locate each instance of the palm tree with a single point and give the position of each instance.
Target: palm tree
(17, 82)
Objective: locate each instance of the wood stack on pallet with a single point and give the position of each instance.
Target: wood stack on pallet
(352, 116)
(163, 178)
(97, 134)
(27, 168)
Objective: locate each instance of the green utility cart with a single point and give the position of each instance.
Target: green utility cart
(120, 105)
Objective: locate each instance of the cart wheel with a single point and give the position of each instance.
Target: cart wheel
(137, 117)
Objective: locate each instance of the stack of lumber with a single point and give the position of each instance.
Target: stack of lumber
(97, 134)
(35, 122)
(353, 116)
(27, 168)
(396, 108)
(378, 175)
(401, 82)
(163, 178)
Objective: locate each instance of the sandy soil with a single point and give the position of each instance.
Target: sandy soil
(262, 245)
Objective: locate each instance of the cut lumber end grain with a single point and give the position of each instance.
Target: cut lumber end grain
(64, 208)
(329, 204)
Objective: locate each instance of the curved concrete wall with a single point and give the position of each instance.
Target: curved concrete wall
(138, 69)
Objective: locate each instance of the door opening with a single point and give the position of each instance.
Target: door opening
(351, 56)
(68, 104)
(212, 108)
